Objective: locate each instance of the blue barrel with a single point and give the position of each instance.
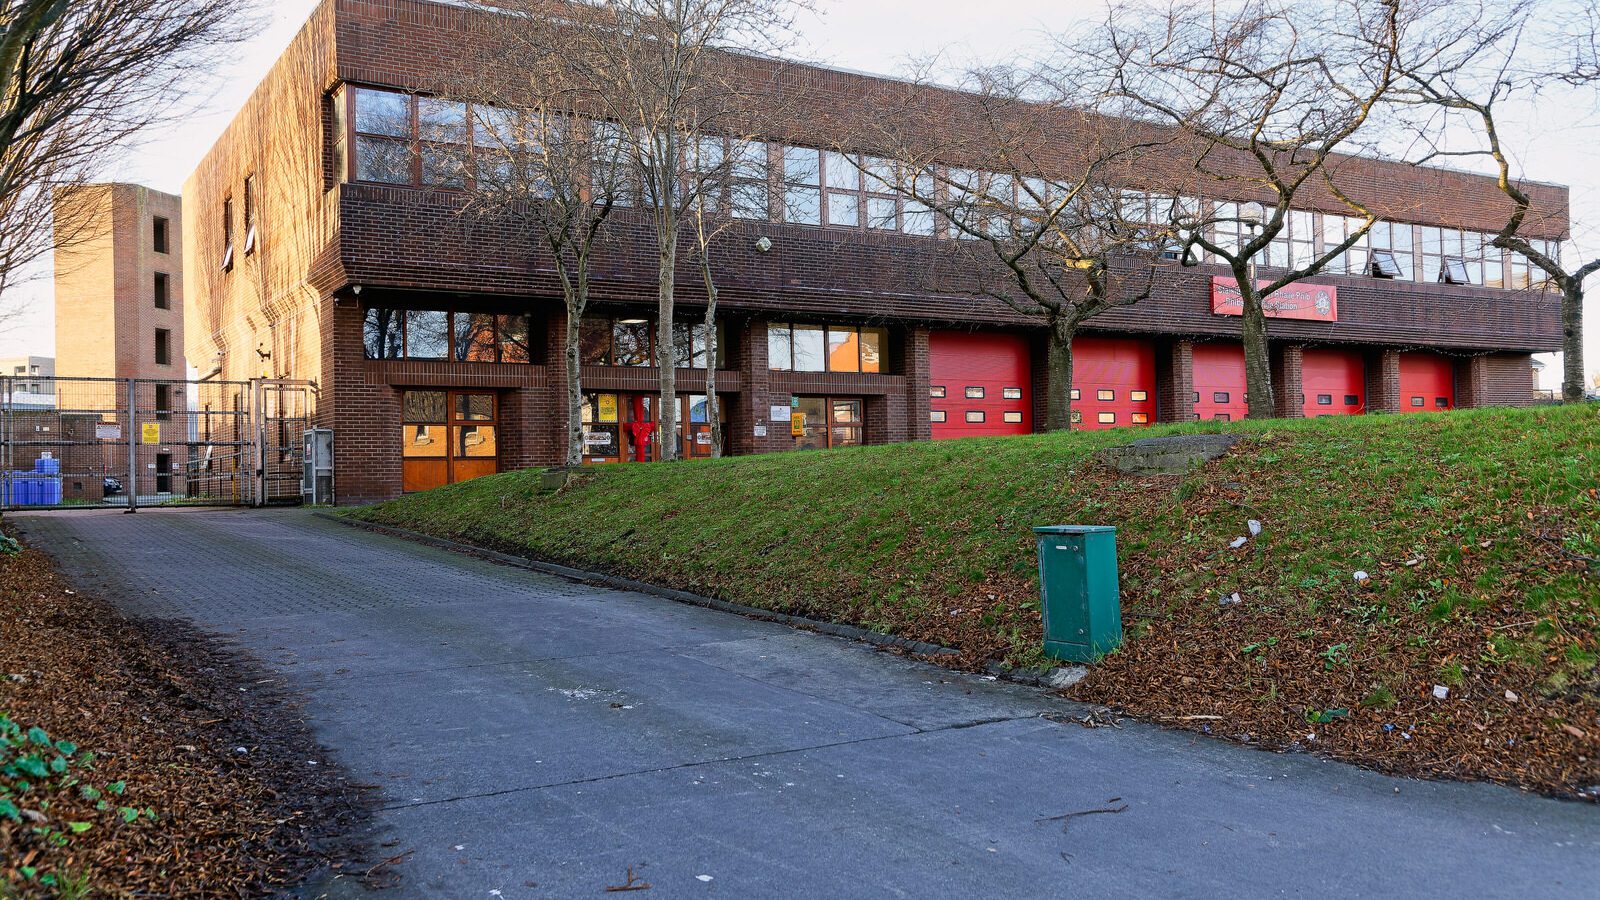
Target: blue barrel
(47, 466)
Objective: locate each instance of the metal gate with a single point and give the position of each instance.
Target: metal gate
(131, 442)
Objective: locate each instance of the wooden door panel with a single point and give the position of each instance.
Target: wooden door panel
(424, 474)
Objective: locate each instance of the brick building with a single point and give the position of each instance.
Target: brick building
(119, 316)
(435, 344)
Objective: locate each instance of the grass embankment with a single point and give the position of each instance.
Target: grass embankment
(1479, 531)
(140, 759)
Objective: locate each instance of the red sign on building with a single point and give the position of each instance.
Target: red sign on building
(1314, 302)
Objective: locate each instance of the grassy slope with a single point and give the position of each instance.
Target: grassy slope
(1492, 510)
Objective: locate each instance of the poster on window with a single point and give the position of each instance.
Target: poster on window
(1310, 302)
(601, 441)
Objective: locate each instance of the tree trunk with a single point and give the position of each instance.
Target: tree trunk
(574, 383)
(1058, 374)
(1257, 356)
(713, 407)
(1572, 382)
(666, 353)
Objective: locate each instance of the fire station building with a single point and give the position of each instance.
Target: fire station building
(323, 241)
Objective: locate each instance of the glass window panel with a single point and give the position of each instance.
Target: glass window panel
(844, 209)
(1141, 418)
(1432, 269)
(750, 200)
(847, 412)
(803, 206)
(801, 166)
(844, 350)
(842, 172)
(427, 334)
(1108, 418)
(383, 112)
(975, 393)
(780, 348)
(441, 120)
(423, 441)
(936, 416)
(919, 219)
(810, 349)
(879, 174)
(493, 126)
(689, 344)
(873, 342)
(882, 213)
(423, 407)
(382, 335)
(383, 161)
(475, 407)
(976, 416)
(630, 342)
(697, 410)
(1011, 394)
(1106, 395)
(1452, 242)
(594, 341)
(710, 153)
(750, 160)
(474, 337)
(936, 392)
(515, 333)
(1432, 239)
(1139, 396)
(1013, 418)
(444, 165)
(475, 441)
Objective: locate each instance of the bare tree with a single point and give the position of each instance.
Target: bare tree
(1465, 69)
(733, 182)
(667, 72)
(539, 172)
(1054, 235)
(1268, 93)
(78, 80)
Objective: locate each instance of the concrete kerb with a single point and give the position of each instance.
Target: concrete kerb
(1037, 677)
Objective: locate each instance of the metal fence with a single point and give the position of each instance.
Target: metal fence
(99, 442)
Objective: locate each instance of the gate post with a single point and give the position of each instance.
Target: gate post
(133, 446)
(258, 434)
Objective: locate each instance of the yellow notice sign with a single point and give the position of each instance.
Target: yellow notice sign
(151, 432)
(797, 424)
(608, 407)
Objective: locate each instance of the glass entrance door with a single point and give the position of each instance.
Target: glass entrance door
(819, 423)
(448, 436)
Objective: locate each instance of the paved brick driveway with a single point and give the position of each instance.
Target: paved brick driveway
(535, 738)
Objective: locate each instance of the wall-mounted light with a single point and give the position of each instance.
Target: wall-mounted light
(763, 244)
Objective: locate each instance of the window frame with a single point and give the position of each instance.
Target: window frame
(502, 322)
(828, 330)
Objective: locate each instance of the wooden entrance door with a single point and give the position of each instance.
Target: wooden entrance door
(448, 436)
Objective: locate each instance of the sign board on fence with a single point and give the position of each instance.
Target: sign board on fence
(108, 431)
(1312, 302)
(151, 432)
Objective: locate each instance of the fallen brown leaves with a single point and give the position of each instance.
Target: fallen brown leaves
(245, 800)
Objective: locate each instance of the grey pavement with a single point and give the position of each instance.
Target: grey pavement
(532, 737)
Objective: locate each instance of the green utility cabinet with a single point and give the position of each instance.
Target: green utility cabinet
(1080, 599)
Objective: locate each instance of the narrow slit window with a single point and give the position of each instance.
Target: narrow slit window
(976, 417)
(936, 392)
(975, 393)
(1108, 418)
(1013, 418)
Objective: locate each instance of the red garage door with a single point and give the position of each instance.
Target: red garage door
(1427, 382)
(1335, 383)
(979, 384)
(1219, 382)
(1114, 382)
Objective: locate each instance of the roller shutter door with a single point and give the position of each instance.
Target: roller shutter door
(1114, 382)
(980, 384)
(1427, 383)
(1219, 382)
(1334, 382)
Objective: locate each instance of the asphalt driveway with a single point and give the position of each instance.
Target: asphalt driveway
(533, 737)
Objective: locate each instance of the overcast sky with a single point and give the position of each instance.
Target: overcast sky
(1555, 142)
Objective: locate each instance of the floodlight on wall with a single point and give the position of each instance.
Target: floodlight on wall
(764, 245)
